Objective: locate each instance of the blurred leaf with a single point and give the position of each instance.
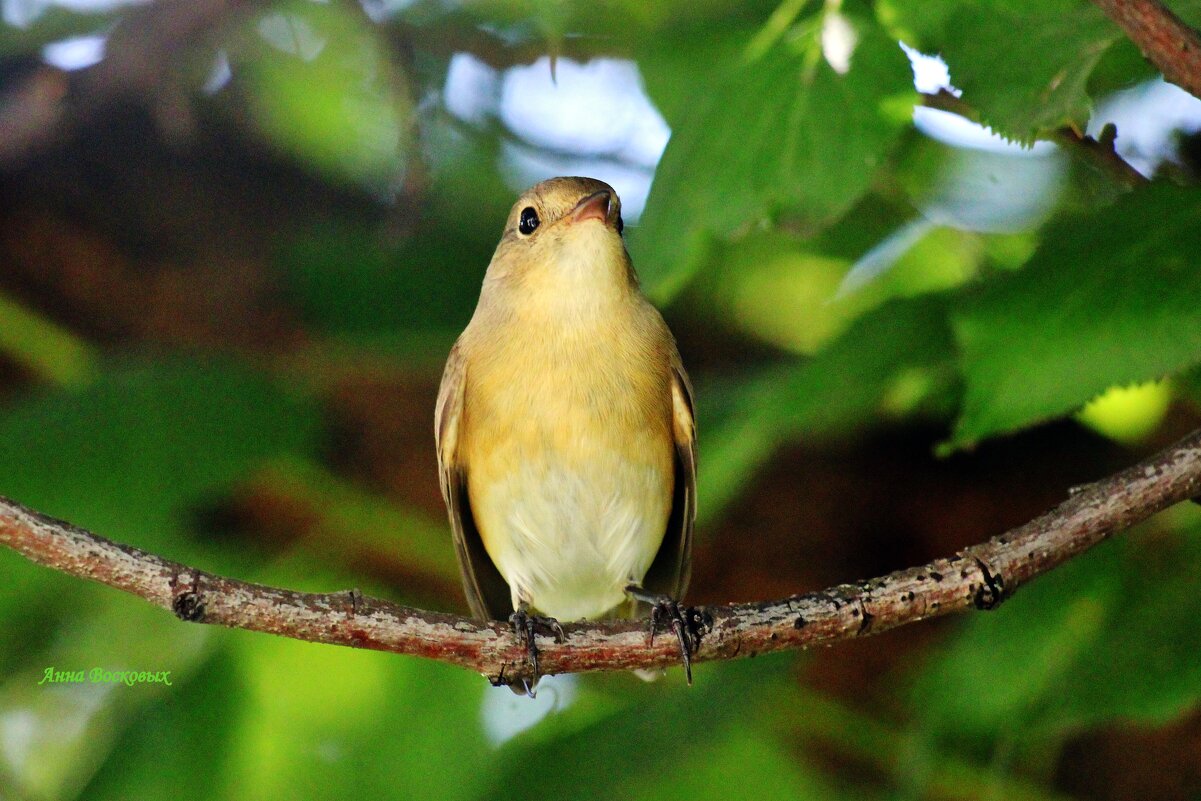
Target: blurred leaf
(125, 455)
(53, 24)
(918, 258)
(1110, 635)
(1025, 68)
(890, 749)
(29, 585)
(1122, 66)
(522, 23)
(1188, 385)
(49, 350)
(746, 756)
(676, 62)
(350, 281)
(320, 721)
(1128, 414)
(357, 524)
(783, 296)
(322, 89)
(919, 23)
(180, 745)
(58, 734)
(843, 386)
(637, 751)
(797, 295)
(1108, 299)
(783, 134)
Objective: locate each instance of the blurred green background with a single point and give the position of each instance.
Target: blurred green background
(237, 240)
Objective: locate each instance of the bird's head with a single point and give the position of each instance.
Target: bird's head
(564, 233)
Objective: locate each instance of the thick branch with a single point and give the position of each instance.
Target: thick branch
(1163, 38)
(979, 577)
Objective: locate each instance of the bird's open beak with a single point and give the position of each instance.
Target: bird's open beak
(594, 207)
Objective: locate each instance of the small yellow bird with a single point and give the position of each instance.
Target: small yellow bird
(564, 426)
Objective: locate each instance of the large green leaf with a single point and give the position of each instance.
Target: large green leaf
(1025, 67)
(782, 134)
(1109, 298)
(675, 62)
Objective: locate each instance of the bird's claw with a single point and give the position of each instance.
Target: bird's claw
(526, 627)
(685, 621)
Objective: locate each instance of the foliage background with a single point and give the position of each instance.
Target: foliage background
(237, 240)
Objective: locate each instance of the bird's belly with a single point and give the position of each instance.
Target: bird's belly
(570, 528)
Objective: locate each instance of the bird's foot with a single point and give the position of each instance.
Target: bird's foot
(526, 627)
(687, 622)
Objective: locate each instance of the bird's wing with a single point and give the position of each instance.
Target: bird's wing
(487, 592)
(672, 567)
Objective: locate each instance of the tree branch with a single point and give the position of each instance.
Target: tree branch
(1097, 153)
(979, 577)
(1163, 38)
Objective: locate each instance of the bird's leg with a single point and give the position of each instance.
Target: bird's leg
(685, 621)
(526, 626)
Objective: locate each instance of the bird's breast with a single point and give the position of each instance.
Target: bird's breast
(569, 454)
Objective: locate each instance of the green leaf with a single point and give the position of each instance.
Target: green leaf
(52, 352)
(1111, 635)
(357, 524)
(156, 757)
(354, 282)
(784, 134)
(124, 457)
(1026, 69)
(127, 454)
(918, 23)
(1108, 299)
(675, 62)
(322, 89)
(637, 751)
(316, 720)
(67, 729)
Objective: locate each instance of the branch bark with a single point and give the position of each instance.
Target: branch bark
(1165, 40)
(979, 577)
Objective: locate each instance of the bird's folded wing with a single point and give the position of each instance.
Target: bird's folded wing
(487, 593)
(672, 568)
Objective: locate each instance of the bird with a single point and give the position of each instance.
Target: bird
(565, 431)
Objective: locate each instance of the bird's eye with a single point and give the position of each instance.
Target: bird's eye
(529, 221)
(620, 225)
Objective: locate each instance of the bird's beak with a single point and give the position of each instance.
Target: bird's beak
(594, 207)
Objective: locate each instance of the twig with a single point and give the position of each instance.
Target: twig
(1097, 153)
(454, 33)
(979, 577)
(1163, 38)
(1100, 153)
